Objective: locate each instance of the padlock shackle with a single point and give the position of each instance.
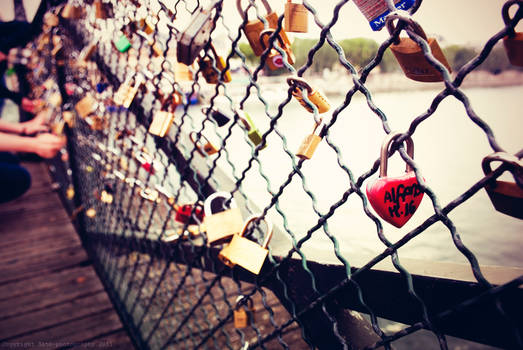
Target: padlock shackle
(506, 15)
(410, 23)
(270, 230)
(299, 83)
(192, 136)
(243, 14)
(385, 150)
(207, 205)
(266, 32)
(250, 303)
(245, 119)
(516, 165)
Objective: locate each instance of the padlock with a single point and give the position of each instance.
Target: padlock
(147, 24)
(207, 148)
(254, 28)
(196, 35)
(99, 10)
(311, 142)
(507, 197)
(51, 20)
(275, 59)
(395, 199)
(513, 42)
(183, 213)
(87, 52)
(55, 99)
(314, 96)
(296, 17)
(376, 10)
(243, 315)
(106, 197)
(244, 252)
(252, 132)
(71, 11)
(410, 56)
(211, 75)
(70, 192)
(221, 222)
(162, 121)
(149, 194)
(127, 91)
(217, 114)
(86, 106)
(182, 72)
(157, 50)
(68, 117)
(96, 122)
(122, 44)
(146, 161)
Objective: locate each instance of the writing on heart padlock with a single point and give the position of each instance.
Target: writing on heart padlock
(252, 131)
(214, 75)
(253, 28)
(196, 35)
(395, 199)
(311, 142)
(221, 222)
(206, 148)
(247, 253)
(220, 117)
(513, 42)
(243, 315)
(126, 92)
(275, 59)
(507, 197)
(376, 10)
(314, 96)
(163, 119)
(185, 216)
(86, 106)
(410, 55)
(296, 17)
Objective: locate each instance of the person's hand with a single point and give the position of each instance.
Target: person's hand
(47, 145)
(37, 124)
(32, 106)
(3, 56)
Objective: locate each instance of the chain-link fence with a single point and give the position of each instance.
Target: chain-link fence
(168, 157)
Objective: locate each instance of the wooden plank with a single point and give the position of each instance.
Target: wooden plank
(116, 340)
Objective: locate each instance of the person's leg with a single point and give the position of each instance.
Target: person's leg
(15, 180)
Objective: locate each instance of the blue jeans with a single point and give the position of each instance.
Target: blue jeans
(15, 180)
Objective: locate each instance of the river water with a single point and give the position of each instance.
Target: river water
(449, 149)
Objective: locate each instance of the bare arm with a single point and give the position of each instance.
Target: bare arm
(45, 145)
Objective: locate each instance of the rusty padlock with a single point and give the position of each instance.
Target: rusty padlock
(207, 148)
(247, 253)
(275, 60)
(192, 40)
(377, 10)
(221, 222)
(311, 142)
(214, 75)
(252, 131)
(296, 17)
(513, 42)
(507, 197)
(243, 315)
(314, 96)
(410, 55)
(86, 106)
(253, 28)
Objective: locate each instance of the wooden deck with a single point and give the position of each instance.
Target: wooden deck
(50, 296)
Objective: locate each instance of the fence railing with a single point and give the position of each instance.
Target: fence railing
(137, 198)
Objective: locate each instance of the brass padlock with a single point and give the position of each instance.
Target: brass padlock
(275, 59)
(296, 17)
(254, 28)
(314, 96)
(207, 148)
(86, 106)
(513, 42)
(244, 252)
(252, 132)
(410, 56)
(507, 197)
(243, 315)
(162, 121)
(127, 91)
(213, 75)
(196, 35)
(311, 142)
(219, 223)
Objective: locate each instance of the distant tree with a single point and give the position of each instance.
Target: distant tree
(458, 56)
(325, 57)
(359, 51)
(246, 50)
(388, 62)
(497, 60)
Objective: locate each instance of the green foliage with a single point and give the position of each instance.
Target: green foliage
(324, 58)
(388, 63)
(359, 51)
(246, 50)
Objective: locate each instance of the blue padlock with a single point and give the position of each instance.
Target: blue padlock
(376, 10)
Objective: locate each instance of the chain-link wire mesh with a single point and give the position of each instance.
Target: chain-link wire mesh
(137, 199)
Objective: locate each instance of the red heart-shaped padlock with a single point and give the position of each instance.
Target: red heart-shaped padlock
(395, 199)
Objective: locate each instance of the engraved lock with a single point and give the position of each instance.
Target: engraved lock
(314, 96)
(395, 199)
(122, 44)
(185, 215)
(376, 10)
(86, 106)
(219, 116)
(214, 75)
(247, 253)
(243, 314)
(252, 132)
(219, 223)
(196, 35)
(275, 59)
(253, 28)
(507, 197)
(157, 50)
(207, 148)
(296, 17)
(410, 56)
(311, 142)
(513, 42)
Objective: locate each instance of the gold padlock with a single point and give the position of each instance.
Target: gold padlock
(244, 252)
(211, 75)
(513, 42)
(203, 149)
(296, 17)
(221, 224)
(254, 28)
(507, 197)
(314, 96)
(243, 315)
(127, 91)
(182, 72)
(275, 59)
(410, 56)
(162, 121)
(86, 106)
(311, 142)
